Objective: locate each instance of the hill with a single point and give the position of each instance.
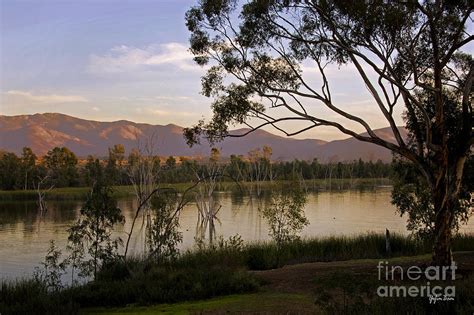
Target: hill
(42, 132)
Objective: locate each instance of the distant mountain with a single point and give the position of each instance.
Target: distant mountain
(42, 132)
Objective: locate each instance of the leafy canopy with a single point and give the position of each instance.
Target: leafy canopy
(257, 54)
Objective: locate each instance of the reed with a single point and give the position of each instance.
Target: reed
(204, 272)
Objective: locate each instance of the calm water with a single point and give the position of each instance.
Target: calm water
(25, 236)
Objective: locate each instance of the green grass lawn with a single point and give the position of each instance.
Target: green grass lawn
(263, 302)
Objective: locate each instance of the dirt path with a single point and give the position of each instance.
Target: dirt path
(289, 290)
(303, 278)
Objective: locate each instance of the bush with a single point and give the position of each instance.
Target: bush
(164, 284)
(210, 271)
(32, 297)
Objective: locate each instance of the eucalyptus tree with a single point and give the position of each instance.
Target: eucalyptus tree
(411, 193)
(114, 164)
(28, 166)
(92, 232)
(285, 215)
(9, 166)
(238, 168)
(61, 164)
(92, 170)
(52, 269)
(397, 49)
(164, 230)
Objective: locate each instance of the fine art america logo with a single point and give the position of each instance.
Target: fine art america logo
(434, 293)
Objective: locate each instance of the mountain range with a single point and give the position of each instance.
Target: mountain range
(42, 132)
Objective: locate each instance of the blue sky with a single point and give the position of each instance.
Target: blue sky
(102, 60)
(110, 60)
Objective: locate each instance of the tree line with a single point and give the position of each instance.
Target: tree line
(60, 167)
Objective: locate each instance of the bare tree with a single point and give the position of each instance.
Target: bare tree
(41, 193)
(208, 175)
(143, 171)
(260, 169)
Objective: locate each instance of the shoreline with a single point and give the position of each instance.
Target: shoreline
(67, 193)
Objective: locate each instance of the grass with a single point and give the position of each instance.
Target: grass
(27, 296)
(335, 288)
(68, 193)
(354, 291)
(135, 281)
(80, 193)
(262, 302)
(204, 273)
(266, 255)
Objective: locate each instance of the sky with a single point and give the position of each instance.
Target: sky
(111, 60)
(103, 60)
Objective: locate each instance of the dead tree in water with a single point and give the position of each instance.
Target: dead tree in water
(42, 194)
(143, 174)
(208, 207)
(260, 169)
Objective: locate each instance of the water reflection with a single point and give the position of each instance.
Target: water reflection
(25, 235)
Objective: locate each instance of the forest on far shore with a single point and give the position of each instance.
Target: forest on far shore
(60, 167)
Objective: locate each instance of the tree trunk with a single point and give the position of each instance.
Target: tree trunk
(446, 194)
(442, 255)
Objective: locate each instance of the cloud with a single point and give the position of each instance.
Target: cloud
(174, 98)
(151, 111)
(49, 98)
(126, 58)
(166, 100)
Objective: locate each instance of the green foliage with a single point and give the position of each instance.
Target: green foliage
(9, 170)
(19, 172)
(52, 269)
(264, 46)
(152, 284)
(285, 215)
(262, 256)
(75, 259)
(29, 171)
(92, 171)
(24, 172)
(412, 197)
(134, 281)
(406, 53)
(61, 164)
(115, 164)
(93, 230)
(164, 234)
(170, 162)
(350, 292)
(33, 297)
(214, 271)
(412, 193)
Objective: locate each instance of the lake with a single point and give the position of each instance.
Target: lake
(25, 235)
